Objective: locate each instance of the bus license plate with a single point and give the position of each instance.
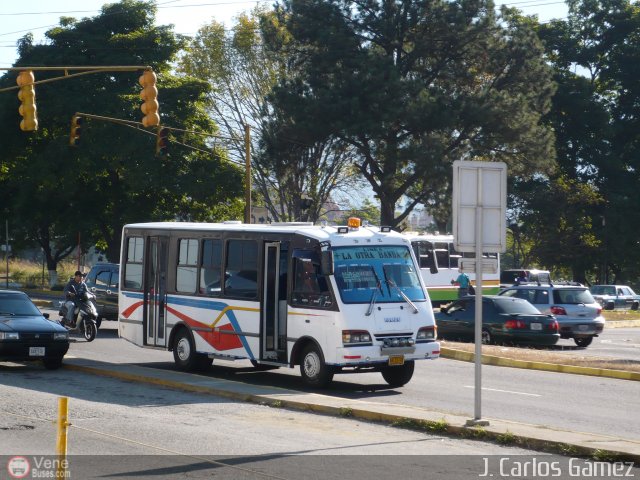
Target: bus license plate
(396, 360)
(36, 351)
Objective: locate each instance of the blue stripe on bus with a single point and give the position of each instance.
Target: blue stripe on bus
(206, 304)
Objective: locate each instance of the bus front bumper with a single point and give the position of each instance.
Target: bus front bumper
(378, 355)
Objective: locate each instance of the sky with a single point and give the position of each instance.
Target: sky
(37, 16)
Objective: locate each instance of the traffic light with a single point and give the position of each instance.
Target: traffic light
(76, 130)
(162, 141)
(149, 96)
(27, 97)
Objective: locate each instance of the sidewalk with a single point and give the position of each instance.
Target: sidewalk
(536, 437)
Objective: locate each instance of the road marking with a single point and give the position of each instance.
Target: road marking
(505, 391)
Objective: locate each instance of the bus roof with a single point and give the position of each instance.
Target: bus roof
(320, 233)
(429, 237)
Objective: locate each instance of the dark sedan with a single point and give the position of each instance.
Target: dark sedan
(504, 319)
(28, 335)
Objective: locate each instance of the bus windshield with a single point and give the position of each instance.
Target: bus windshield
(387, 271)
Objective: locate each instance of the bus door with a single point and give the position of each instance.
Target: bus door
(155, 291)
(273, 329)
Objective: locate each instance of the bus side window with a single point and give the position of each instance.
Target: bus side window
(424, 254)
(306, 280)
(210, 267)
(308, 286)
(241, 275)
(187, 268)
(133, 265)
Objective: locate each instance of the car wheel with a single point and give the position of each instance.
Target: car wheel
(398, 376)
(487, 338)
(314, 371)
(634, 306)
(52, 363)
(583, 341)
(184, 352)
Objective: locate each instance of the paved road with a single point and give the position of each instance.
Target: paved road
(619, 343)
(572, 402)
(136, 430)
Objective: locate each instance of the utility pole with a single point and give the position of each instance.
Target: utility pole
(247, 178)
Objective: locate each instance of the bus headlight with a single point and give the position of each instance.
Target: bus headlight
(356, 337)
(426, 334)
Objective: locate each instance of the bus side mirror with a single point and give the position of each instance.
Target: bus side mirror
(326, 262)
(433, 268)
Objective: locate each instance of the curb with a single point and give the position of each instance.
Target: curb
(533, 437)
(454, 354)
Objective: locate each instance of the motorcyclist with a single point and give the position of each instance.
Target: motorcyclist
(73, 291)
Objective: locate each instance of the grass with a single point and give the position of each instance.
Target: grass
(30, 274)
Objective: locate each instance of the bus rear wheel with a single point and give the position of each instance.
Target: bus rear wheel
(314, 371)
(398, 376)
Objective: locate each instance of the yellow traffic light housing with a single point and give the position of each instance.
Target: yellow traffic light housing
(149, 96)
(27, 97)
(76, 130)
(162, 141)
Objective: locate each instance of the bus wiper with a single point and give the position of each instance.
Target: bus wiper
(372, 302)
(403, 295)
(374, 294)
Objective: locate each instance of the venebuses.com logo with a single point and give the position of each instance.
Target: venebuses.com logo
(18, 467)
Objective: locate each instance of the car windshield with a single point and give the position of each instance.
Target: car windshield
(515, 305)
(603, 290)
(385, 270)
(17, 304)
(572, 296)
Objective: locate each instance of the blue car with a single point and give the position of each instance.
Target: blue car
(28, 335)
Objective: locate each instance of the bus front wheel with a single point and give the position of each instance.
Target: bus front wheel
(314, 371)
(184, 352)
(398, 376)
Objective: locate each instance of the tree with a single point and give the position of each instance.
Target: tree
(596, 120)
(415, 85)
(287, 165)
(113, 177)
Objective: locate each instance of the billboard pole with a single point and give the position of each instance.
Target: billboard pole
(477, 417)
(479, 213)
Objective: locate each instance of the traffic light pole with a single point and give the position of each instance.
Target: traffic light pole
(82, 71)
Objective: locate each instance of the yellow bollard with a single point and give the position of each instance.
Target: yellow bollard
(61, 443)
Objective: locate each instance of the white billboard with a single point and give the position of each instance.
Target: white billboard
(479, 196)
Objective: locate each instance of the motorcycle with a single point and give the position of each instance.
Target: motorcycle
(84, 316)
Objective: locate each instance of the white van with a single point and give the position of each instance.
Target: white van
(510, 277)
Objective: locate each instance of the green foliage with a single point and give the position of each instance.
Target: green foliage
(596, 119)
(113, 177)
(414, 86)
(287, 165)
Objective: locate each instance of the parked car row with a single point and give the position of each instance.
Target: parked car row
(535, 313)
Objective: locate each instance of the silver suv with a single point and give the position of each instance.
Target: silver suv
(577, 312)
